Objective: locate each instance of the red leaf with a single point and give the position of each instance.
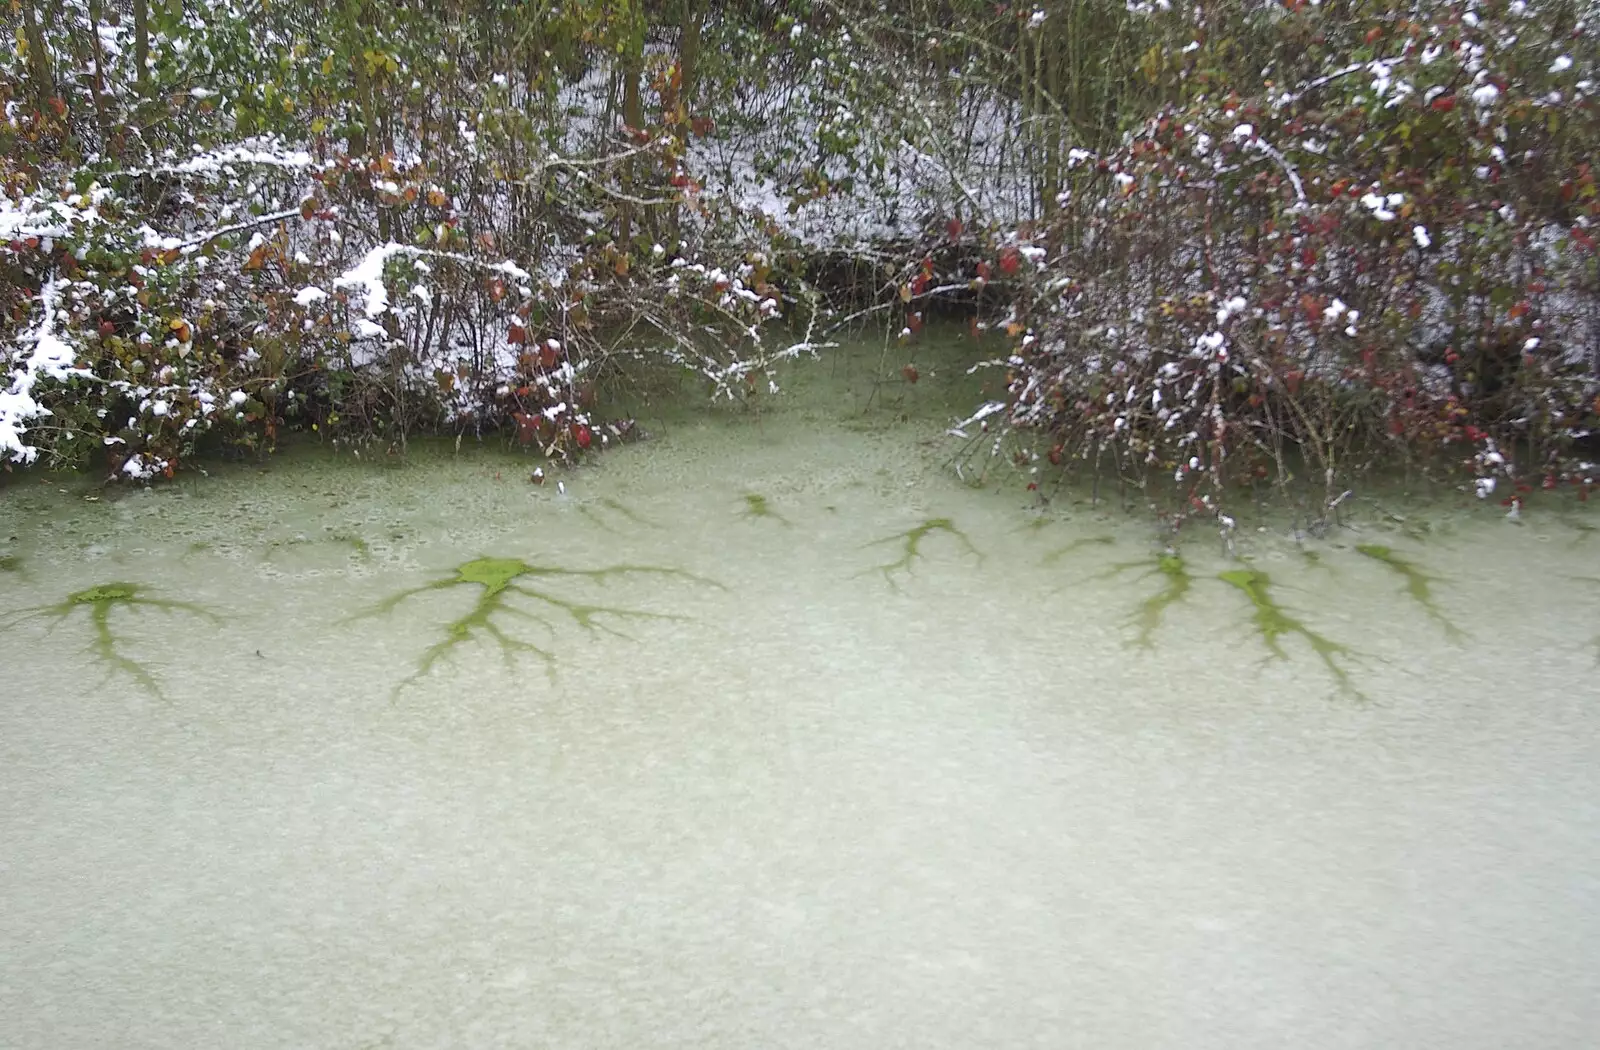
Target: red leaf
(953, 228)
(517, 336)
(1010, 261)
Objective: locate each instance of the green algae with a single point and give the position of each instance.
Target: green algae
(1176, 581)
(354, 542)
(1272, 622)
(10, 563)
(757, 506)
(100, 601)
(1314, 560)
(616, 507)
(1418, 584)
(1078, 545)
(910, 542)
(502, 579)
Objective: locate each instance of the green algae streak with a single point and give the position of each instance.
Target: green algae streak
(1078, 545)
(1175, 584)
(1176, 581)
(911, 547)
(100, 600)
(756, 506)
(499, 580)
(1272, 622)
(1418, 584)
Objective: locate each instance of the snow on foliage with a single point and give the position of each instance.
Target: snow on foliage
(1226, 243)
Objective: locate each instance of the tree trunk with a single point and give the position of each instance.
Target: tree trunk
(632, 115)
(141, 43)
(44, 86)
(98, 84)
(694, 17)
(1053, 136)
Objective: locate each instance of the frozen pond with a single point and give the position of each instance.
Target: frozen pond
(872, 760)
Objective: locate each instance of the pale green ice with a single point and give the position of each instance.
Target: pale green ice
(852, 755)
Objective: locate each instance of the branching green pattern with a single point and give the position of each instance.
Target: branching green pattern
(756, 506)
(100, 601)
(1272, 621)
(616, 507)
(1418, 584)
(1078, 545)
(1176, 582)
(501, 579)
(910, 542)
(1175, 585)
